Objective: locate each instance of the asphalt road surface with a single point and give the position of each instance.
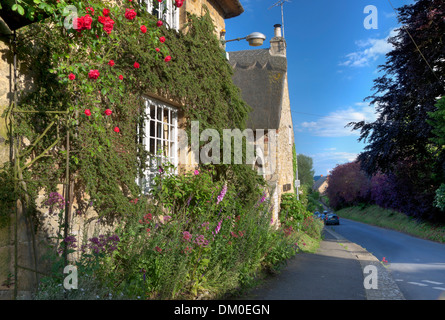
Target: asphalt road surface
(417, 265)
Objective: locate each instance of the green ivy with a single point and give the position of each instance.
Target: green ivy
(103, 163)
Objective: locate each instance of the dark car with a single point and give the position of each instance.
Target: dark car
(331, 219)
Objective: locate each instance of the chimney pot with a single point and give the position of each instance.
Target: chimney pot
(277, 30)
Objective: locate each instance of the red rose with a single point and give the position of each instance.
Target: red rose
(162, 39)
(87, 21)
(130, 14)
(121, 77)
(167, 58)
(157, 49)
(116, 129)
(107, 22)
(108, 112)
(78, 24)
(136, 65)
(178, 3)
(71, 76)
(159, 23)
(111, 63)
(143, 29)
(159, 0)
(90, 9)
(106, 12)
(93, 74)
(87, 112)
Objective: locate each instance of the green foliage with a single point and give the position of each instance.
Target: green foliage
(439, 201)
(305, 170)
(437, 121)
(292, 209)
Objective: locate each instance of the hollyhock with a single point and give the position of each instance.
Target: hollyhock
(130, 14)
(143, 29)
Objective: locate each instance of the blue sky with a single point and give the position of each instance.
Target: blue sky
(332, 62)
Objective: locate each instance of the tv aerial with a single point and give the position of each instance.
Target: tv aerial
(280, 3)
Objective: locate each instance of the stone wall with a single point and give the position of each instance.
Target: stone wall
(197, 7)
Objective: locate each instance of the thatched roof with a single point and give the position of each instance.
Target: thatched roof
(260, 76)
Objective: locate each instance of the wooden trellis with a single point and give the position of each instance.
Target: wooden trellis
(61, 120)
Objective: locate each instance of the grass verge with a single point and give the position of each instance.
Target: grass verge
(394, 220)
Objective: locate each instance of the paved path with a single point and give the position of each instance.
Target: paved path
(332, 273)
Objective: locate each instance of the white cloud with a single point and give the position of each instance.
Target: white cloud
(371, 50)
(333, 124)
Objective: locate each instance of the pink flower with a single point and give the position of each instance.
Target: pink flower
(186, 236)
(93, 74)
(136, 65)
(116, 129)
(130, 14)
(158, 249)
(159, 23)
(108, 112)
(196, 172)
(162, 39)
(87, 112)
(111, 63)
(143, 29)
(167, 58)
(71, 76)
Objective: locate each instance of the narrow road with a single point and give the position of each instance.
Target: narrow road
(417, 265)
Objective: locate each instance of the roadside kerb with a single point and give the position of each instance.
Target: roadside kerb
(387, 288)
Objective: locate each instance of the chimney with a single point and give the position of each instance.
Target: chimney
(277, 43)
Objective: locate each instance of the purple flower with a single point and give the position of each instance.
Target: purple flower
(222, 194)
(201, 241)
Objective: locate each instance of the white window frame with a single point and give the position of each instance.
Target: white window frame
(171, 15)
(159, 132)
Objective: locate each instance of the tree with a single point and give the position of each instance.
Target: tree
(348, 186)
(414, 77)
(305, 170)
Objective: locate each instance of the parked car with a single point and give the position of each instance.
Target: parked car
(331, 218)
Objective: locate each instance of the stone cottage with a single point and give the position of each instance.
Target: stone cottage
(175, 18)
(261, 75)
